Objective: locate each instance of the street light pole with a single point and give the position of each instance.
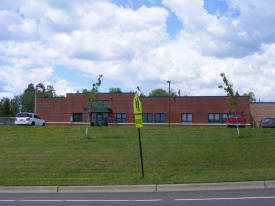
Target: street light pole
(169, 103)
(35, 100)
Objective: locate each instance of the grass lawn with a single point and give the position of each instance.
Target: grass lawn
(55, 155)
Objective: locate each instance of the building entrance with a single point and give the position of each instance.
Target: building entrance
(99, 118)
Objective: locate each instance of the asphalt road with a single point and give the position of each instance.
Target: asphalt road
(259, 197)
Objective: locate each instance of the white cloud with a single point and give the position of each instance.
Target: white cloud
(62, 87)
(133, 47)
(24, 63)
(227, 36)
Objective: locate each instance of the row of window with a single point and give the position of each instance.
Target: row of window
(160, 117)
(185, 117)
(215, 117)
(147, 117)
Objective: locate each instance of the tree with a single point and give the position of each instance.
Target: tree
(5, 107)
(41, 93)
(161, 93)
(232, 96)
(85, 91)
(115, 90)
(251, 96)
(47, 92)
(27, 99)
(14, 105)
(92, 97)
(158, 93)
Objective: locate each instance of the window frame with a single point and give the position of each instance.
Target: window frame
(100, 103)
(146, 119)
(121, 118)
(77, 117)
(186, 120)
(161, 115)
(224, 119)
(214, 118)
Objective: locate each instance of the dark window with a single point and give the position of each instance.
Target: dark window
(24, 115)
(105, 116)
(100, 103)
(121, 118)
(234, 115)
(224, 117)
(99, 117)
(214, 118)
(36, 116)
(187, 117)
(147, 117)
(77, 117)
(160, 118)
(94, 117)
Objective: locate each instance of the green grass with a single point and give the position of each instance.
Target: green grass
(63, 156)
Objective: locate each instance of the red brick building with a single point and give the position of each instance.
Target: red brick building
(118, 108)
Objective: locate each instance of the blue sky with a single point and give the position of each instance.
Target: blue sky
(138, 43)
(173, 27)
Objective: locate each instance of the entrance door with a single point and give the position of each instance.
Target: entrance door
(99, 119)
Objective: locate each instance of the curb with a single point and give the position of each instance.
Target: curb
(140, 188)
(118, 188)
(28, 189)
(213, 186)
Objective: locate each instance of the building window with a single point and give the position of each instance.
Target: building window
(121, 118)
(147, 117)
(77, 117)
(187, 117)
(100, 103)
(213, 118)
(224, 117)
(160, 118)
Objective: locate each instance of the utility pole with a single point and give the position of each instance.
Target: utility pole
(169, 103)
(35, 100)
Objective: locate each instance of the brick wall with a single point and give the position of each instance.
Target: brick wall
(200, 107)
(260, 110)
(60, 109)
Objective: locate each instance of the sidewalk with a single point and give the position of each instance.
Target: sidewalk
(139, 188)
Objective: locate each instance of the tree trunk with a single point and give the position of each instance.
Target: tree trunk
(87, 126)
(237, 124)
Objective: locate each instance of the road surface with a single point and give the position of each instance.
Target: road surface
(250, 197)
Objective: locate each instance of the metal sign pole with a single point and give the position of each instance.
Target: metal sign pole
(140, 153)
(139, 124)
(169, 107)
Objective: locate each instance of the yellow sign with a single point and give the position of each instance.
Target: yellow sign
(137, 111)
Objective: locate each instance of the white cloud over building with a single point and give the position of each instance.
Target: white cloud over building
(133, 46)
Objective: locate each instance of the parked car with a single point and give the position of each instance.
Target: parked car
(29, 119)
(235, 119)
(267, 122)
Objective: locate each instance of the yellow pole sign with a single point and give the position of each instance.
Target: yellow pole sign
(137, 111)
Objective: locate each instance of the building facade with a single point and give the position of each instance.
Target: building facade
(260, 110)
(118, 108)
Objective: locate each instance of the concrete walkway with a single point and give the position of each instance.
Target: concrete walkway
(139, 188)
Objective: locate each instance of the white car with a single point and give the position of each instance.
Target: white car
(29, 119)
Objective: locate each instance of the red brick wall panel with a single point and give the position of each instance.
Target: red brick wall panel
(60, 109)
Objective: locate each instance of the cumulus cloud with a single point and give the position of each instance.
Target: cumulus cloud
(62, 87)
(227, 36)
(133, 46)
(24, 63)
